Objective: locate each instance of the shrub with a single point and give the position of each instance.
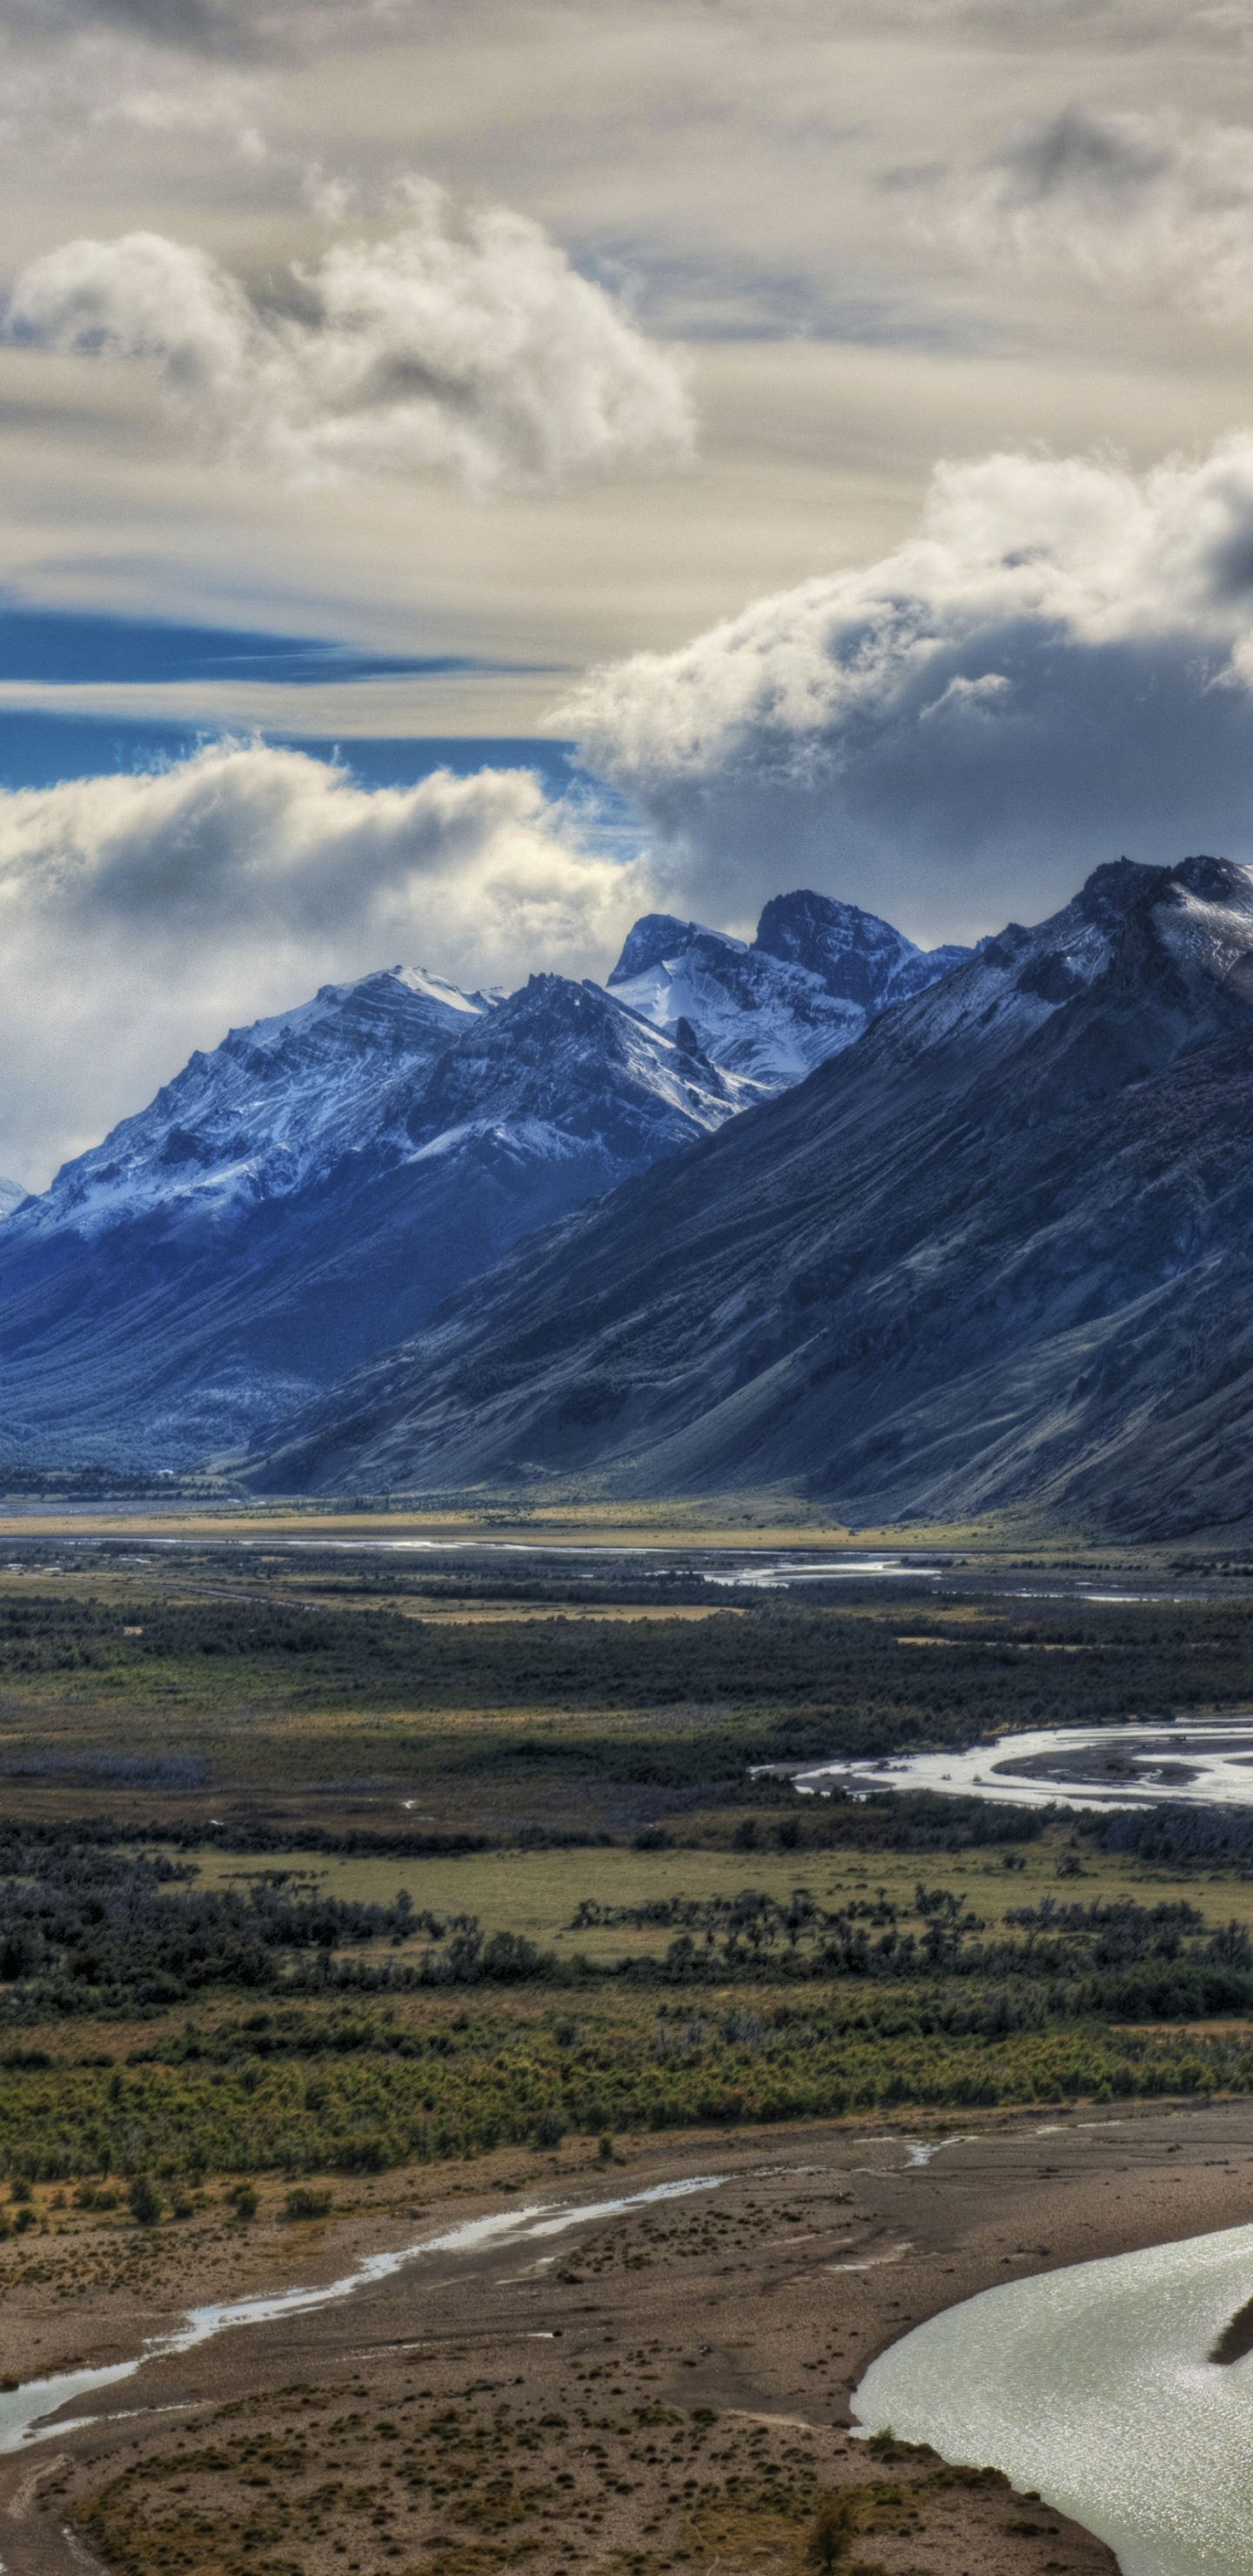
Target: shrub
(145, 2202)
(303, 2203)
(833, 2527)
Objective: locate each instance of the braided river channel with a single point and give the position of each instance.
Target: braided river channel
(1098, 2388)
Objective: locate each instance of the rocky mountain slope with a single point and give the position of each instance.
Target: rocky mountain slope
(814, 977)
(999, 1250)
(309, 1192)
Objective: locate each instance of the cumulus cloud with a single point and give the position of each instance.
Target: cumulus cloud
(1056, 669)
(476, 351)
(143, 916)
(1141, 204)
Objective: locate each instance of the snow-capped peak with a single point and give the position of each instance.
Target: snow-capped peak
(271, 1107)
(657, 935)
(1128, 918)
(814, 976)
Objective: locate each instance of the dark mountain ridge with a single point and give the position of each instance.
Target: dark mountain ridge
(996, 1252)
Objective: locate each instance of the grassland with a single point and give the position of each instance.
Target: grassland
(539, 1892)
(316, 1864)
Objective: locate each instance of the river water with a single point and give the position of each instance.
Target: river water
(1203, 1762)
(25, 2412)
(1092, 2386)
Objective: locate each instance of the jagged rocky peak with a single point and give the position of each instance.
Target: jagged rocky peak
(656, 936)
(814, 976)
(274, 1103)
(1200, 912)
(1138, 930)
(1203, 915)
(1223, 882)
(397, 1007)
(858, 957)
(560, 1050)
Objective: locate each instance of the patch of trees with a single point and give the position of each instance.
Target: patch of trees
(1176, 1836)
(1118, 1959)
(93, 1926)
(826, 1682)
(83, 1929)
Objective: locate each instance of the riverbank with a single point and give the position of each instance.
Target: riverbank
(667, 2386)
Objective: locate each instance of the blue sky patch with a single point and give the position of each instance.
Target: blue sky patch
(38, 749)
(77, 647)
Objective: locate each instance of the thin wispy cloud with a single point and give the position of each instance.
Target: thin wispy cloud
(240, 27)
(472, 350)
(1147, 205)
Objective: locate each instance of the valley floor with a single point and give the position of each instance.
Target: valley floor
(669, 2387)
(320, 1870)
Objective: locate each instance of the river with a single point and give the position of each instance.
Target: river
(1093, 2387)
(1204, 1762)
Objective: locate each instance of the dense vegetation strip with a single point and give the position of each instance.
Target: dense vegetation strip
(360, 2094)
(952, 1679)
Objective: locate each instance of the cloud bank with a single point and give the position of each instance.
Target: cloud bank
(143, 916)
(1147, 205)
(476, 352)
(1056, 669)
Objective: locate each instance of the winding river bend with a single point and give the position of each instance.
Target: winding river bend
(1094, 2387)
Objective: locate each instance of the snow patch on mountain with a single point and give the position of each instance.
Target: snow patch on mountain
(1204, 922)
(816, 974)
(273, 1108)
(1014, 982)
(398, 1069)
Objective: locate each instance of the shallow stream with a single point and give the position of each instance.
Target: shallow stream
(25, 2411)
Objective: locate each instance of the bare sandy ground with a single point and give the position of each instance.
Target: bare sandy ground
(665, 2388)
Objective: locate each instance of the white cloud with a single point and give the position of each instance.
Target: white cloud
(478, 352)
(1057, 668)
(1139, 204)
(143, 916)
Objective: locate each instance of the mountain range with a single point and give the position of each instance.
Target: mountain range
(996, 1251)
(313, 1190)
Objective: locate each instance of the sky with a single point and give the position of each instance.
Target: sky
(474, 472)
